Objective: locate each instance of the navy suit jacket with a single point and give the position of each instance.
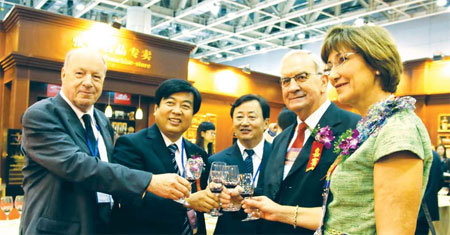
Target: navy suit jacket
(61, 178)
(230, 222)
(300, 187)
(146, 150)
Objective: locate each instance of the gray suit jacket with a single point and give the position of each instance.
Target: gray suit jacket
(61, 178)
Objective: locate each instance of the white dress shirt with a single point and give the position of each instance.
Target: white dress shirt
(311, 123)
(179, 142)
(256, 158)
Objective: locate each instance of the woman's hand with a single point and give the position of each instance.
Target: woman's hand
(266, 208)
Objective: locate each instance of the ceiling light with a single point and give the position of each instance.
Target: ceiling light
(139, 114)
(441, 3)
(116, 25)
(108, 110)
(251, 48)
(219, 56)
(204, 60)
(359, 22)
(301, 35)
(246, 69)
(215, 8)
(80, 7)
(185, 32)
(231, 14)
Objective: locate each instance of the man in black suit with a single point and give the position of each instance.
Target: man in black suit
(67, 143)
(250, 114)
(162, 149)
(295, 183)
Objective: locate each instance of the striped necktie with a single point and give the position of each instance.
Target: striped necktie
(186, 224)
(248, 162)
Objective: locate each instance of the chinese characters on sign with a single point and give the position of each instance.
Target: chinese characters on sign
(116, 52)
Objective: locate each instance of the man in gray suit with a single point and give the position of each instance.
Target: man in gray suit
(67, 143)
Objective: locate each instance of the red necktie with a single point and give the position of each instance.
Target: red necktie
(298, 143)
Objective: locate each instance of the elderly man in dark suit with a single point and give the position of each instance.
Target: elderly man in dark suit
(250, 114)
(298, 163)
(67, 143)
(162, 149)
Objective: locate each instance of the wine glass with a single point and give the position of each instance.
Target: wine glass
(192, 172)
(6, 204)
(231, 180)
(246, 191)
(18, 203)
(215, 182)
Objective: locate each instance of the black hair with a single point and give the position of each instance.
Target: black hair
(286, 118)
(174, 85)
(245, 98)
(204, 126)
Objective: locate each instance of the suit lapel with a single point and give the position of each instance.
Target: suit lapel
(235, 157)
(159, 148)
(328, 118)
(276, 167)
(107, 138)
(73, 121)
(266, 154)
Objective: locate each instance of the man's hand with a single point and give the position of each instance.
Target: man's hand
(230, 196)
(170, 186)
(203, 201)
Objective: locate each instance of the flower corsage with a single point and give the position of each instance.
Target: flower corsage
(322, 137)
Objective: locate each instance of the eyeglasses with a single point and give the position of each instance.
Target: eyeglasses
(298, 78)
(340, 60)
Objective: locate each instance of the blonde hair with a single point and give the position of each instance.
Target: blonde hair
(73, 51)
(374, 44)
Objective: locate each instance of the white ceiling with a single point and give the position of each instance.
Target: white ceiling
(229, 29)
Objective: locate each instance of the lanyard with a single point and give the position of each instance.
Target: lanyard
(182, 158)
(256, 174)
(93, 147)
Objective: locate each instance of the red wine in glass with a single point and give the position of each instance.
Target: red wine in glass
(230, 185)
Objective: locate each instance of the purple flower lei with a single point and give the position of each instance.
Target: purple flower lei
(323, 135)
(197, 162)
(376, 117)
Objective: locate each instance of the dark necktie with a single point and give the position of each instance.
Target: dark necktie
(248, 162)
(186, 224)
(173, 149)
(90, 135)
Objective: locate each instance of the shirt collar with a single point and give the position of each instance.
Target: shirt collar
(168, 142)
(315, 117)
(259, 149)
(77, 111)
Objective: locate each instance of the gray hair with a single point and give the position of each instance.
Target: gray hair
(317, 61)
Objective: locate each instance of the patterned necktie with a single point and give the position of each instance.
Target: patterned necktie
(298, 143)
(186, 224)
(90, 134)
(248, 162)
(173, 149)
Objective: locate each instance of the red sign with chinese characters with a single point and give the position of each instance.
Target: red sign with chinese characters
(122, 98)
(53, 90)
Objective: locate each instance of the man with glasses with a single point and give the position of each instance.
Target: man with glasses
(298, 164)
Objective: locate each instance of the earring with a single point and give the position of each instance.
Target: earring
(377, 73)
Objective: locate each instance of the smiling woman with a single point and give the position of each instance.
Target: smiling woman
(390, 162)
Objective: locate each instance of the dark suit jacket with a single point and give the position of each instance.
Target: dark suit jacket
(61, 178)
(435, 183)
(299, 187)
(146, 150)
(230, 222)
